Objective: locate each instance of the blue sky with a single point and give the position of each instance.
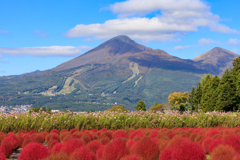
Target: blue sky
(39, 35)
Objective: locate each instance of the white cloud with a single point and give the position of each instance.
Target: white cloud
(44, 51)
(233, 42)
(177, 17)
(204, 42)
(40, 34)
(4, 32)
(180, 47)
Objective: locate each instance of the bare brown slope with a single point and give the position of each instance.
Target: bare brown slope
(216, 59)
(108, 52)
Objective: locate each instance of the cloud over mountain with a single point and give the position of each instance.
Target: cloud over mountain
(172, 18)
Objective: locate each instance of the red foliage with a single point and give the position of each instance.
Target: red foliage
(73, 130)
(166, 154)
(2, 156)
(100, 152)
(83, 153)
(2, 150)
(212, 132)
(120, 134)
(13, 139)
(205, 144)
(108, 134)
(94, 145)
(131, 157)
(176, 142)
(104, 140)
(52, 143)
(153, 134)
(223, 152)
(130, 143)
(39, 138)
(55, 131)
(58, 156)
(86, 138)
(56, 148)
(32, 131)
(26, 141)
(8, 147)
(188, 151)
(69, 146)
(136, 133)
(146, 148)
(214, 144)
(63, 135)
(114, 150)
(233, 141)
(34, 151)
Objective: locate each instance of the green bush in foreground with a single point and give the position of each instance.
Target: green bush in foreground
(43, 121)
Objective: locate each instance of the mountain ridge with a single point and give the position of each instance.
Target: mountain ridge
(117, 71)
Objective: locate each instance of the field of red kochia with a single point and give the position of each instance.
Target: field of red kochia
(219, 143)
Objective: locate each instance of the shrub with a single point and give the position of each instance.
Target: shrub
(131, 157)
(94, 145)
(104, 140)
(117, 108)
(100, 152)
(26, 141)
(73, 130)
(188, 151)
(69, 146)
(146, 148)
(34, 151)
(108, 134)
(51, 143)
(158, 107)
(56, 148)
(8, 147)
(55, 131)
(223, 152)
(120, 134)
(83, 153)
(58, 156)
(114, 150)
(39, 138)
(153, 134)
(166, 154)
(214, 144)
(2, 156)
(233, 141)
(86, 138)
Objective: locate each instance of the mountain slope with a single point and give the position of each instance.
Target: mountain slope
(117, 71)
(217, 59)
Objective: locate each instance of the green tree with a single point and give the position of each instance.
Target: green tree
(236, 67)
(198, 95)
(227, 99)
(141, 106)
(205, 78)
(205, 94)
(43, 109)
(49, 110)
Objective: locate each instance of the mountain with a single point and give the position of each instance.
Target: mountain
(119, 71)
(217, 60)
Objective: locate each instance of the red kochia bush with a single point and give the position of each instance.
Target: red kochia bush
(58, 156)
(54, 131)
(2, 156)
(114, 150)
(223, 152)
(214, 144)
(57, 147)
(83, 153)
(100, 152)
(120, 134)
(8, 147)
(166, 154)
(69, 146)
(131, 157)
(51, 143)
(2, 150)
(94, 145)
(39, 138)
(104, 140)
(34, 151)
(233, 141)
(188, 151)
(146, 148)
